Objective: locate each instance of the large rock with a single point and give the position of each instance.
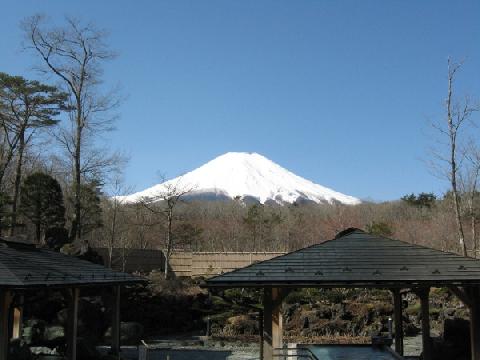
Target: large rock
(241, 325)
(130, 333)
(19, 350)
(33, 331)
(54, 333)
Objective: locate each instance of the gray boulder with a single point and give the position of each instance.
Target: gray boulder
(130, 333)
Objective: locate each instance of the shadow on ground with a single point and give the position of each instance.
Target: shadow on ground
(131, 353)
(186, 354)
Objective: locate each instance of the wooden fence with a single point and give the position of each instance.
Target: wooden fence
(206, 264)
(183, 263)
(133, 260)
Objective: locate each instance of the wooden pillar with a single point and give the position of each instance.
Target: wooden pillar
(273, 323)
(115, 345)
(423, 294)
(260, 330)
(17, 322)
(267, 324)
(72, 324)
(397, 318)
(5, 302)
(277, 319)
(474, 306)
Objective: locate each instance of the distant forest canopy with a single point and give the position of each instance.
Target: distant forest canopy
(234, 226)
(54, 174)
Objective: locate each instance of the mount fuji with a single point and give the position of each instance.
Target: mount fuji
(245, 176)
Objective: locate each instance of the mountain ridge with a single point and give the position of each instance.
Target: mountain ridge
(245, 175)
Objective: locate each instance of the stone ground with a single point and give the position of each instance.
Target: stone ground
(412, 346)
(235, 351)
(227, 352)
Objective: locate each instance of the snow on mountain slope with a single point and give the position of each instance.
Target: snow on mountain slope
(246, 175)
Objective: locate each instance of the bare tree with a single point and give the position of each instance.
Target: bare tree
(164, 204)
(469, 187)
(75, 53)
(140, 221)
(115, 220)
(448, 165)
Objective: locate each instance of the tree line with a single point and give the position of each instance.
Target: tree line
(52, 168)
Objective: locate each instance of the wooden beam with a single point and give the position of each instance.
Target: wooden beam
(398, 321)
(473, 294)
(260, 330)
(72, 324)
(5, 302)
(17, 322)
(281, 294)
(277, 318)
(115, 345)
(272, 321)
(461, 294)
(267, 324)
(423, 294)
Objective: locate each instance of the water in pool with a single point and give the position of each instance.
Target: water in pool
(334, 352)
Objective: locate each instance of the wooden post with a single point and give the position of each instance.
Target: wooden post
(273, 322)
(5, 302)
(426, 342)
(17, 322)
(260, 328)
(277, 319)
(474, 297)
(72, 324)
(115, 345)
(267, 324)
(397, 301)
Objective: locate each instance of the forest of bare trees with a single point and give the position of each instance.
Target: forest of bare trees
(233, 226)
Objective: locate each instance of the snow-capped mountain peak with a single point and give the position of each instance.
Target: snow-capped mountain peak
(246, 175)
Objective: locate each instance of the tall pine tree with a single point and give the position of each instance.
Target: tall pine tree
(25, 107)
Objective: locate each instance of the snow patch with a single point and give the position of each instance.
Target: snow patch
(239, 174)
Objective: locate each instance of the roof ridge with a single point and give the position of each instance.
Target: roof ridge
(352, 230)
(275, 257)
(429, 248)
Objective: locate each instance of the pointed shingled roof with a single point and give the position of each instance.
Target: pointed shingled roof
(25, 266)
(355, 258)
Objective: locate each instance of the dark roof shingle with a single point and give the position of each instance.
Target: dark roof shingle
(356, 258)
(25, 266)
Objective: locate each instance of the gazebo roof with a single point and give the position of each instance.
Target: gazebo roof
(25, 266)
(355, 258)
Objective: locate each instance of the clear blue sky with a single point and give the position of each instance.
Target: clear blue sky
(336, 91)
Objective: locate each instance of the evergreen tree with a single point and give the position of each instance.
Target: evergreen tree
(91, 211)
(41, 201)
(5, 203)
(422, 200)
(25, 107)
(379, 228)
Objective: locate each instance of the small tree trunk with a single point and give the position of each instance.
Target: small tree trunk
(169, 240)
(473, 225)
(76, 230)
(113, 228)
(38, 232)
(458, 220)
(473, 218)
(453, 131)
(18, 180)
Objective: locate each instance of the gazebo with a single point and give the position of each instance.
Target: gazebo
(25, 267)
(356, 259)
